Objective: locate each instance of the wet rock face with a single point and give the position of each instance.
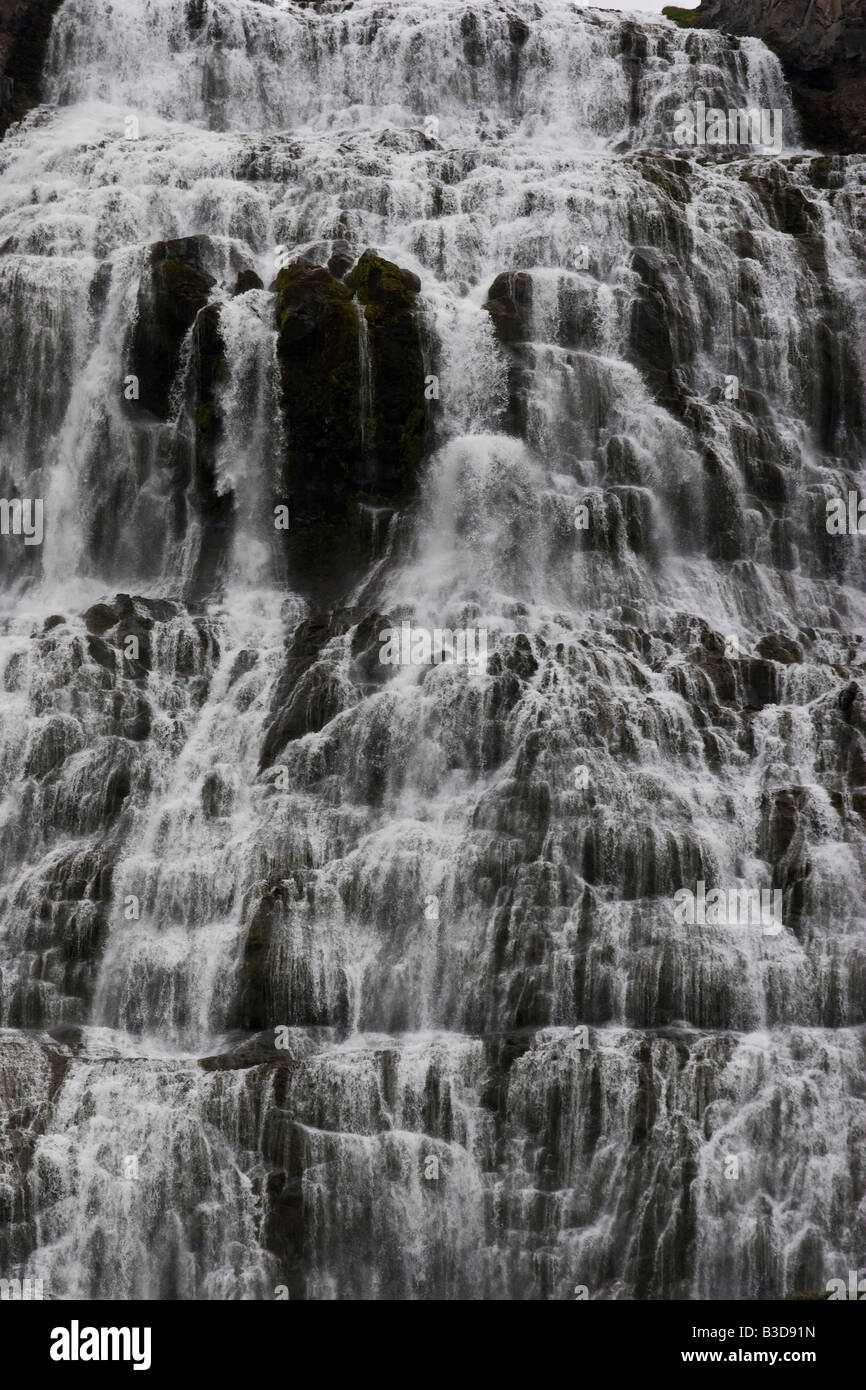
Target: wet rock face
(247, 280)
(809, 37)
(823, 49)
(171, 425)
(661, 338)
(32, 1067)
(312, 688)
(173, 290)
(214, 508)
(394, 428)
(352, 387)
(24, 29)
(320, 379)
(65, 942)
(105, 672)
(509, 304)
(308, 693)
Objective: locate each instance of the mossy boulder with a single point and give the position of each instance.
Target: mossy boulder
(318, 351)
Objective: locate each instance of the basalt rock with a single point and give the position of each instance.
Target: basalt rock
(366, 670)
(509, 304)
(394, 434)
(775, 646)
(103, 616)
(258, 1003)
(110, 625)
(320, 379)
(352, 385)
(247, 280)
(66, 940)
(175, 286)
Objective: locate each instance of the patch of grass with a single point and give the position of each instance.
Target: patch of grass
(686, 19)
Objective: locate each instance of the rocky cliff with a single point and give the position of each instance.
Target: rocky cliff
(822, 46)
(24, 29)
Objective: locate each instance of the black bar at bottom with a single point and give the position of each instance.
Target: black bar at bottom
(163, 1340)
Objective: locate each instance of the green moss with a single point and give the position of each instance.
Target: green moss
(686, 19)
(376, 282)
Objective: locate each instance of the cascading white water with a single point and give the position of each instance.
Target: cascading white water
(472, 957)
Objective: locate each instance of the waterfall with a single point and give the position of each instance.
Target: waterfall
(357, 981)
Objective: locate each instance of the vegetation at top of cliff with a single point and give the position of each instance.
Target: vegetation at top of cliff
(686, 19)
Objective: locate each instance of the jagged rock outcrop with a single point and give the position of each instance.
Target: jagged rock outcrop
(822, 46)
(311, 690)
(810, 36)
